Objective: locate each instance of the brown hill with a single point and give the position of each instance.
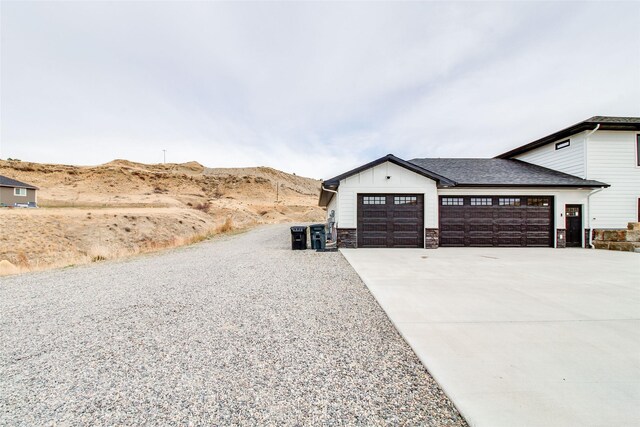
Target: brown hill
(84, 209)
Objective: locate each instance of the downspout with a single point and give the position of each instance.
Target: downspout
(586, 175)
(589, 217)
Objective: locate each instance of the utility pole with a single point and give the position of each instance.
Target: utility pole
(277, 190)
(164, 156)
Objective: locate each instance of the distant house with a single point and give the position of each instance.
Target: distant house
(16, 193)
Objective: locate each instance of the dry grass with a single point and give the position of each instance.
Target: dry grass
(105, 252)
(119, 209)
(226, 227)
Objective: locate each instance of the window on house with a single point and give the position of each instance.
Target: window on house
(638, 149)
(405, 200)
(562, 144)
(373, 200)
(452, 201)
(537, 201)
(509, 201)
(20, 192)
(481, 201)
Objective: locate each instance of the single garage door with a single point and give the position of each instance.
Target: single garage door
(390, 221)
(496, 221)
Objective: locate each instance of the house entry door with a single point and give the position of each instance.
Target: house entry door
(573, 218)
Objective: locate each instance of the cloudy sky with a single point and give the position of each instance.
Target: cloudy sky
(314, 88)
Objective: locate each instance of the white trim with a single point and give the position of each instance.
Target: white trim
(15, 192)
(637, 143)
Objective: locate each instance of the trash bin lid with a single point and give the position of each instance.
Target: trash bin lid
(298, 228)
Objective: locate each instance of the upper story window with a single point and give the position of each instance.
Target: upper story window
(20, 192)
(562, 144)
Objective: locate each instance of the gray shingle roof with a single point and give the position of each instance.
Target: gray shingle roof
(501, 172)
(605, 119)
(8, 182)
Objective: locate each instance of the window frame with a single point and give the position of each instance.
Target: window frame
(517, 201)
(17, 193)
(456, 201)
(539, 201)
(481, 201)
(405, 200)
(563, 144)
(374, 200)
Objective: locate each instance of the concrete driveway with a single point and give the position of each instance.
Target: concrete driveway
(522, 336)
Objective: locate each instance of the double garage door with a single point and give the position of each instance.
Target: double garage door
(496, 221)
(397, 221)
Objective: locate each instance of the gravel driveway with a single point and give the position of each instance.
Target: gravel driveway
(239, 330)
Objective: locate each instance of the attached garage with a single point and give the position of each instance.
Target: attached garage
(431, 202)
(390, 221)
(496, 221)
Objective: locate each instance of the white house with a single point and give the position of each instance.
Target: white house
(551, 192)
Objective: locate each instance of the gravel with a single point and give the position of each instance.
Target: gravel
(239, 330)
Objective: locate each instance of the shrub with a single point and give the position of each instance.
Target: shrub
(204, 207)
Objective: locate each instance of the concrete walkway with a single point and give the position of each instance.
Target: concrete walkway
(519, 337)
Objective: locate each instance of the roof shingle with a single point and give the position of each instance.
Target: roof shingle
(501, 172)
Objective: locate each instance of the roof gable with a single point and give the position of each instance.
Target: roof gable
(8, 182)
(605, 123)
(388, 158)
(334, 183)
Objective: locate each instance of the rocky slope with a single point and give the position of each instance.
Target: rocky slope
(91, 213)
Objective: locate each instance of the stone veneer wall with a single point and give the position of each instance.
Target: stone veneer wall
(618, 240)
(587, 231)
(431, 238)
(347, 238)
(561, 238)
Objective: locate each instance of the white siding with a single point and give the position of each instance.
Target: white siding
(611, 158)
(569, 160)
(374, 180)
(333, 206)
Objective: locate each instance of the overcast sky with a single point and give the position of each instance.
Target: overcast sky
(312, 88)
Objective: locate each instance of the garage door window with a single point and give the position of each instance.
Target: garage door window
(405, 200)
(452, 201)
(537, 201)
(509, 201)
(374, 200)
(481, 201)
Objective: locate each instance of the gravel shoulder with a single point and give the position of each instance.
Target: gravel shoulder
(238, 330)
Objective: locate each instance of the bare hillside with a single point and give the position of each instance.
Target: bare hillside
(86, 211)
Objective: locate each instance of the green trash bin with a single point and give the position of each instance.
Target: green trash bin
(318, 236)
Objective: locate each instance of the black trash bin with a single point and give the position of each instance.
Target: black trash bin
(318, 236)
(298, 237)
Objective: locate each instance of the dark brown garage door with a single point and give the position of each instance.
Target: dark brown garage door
(390, 220)
(496, 221)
